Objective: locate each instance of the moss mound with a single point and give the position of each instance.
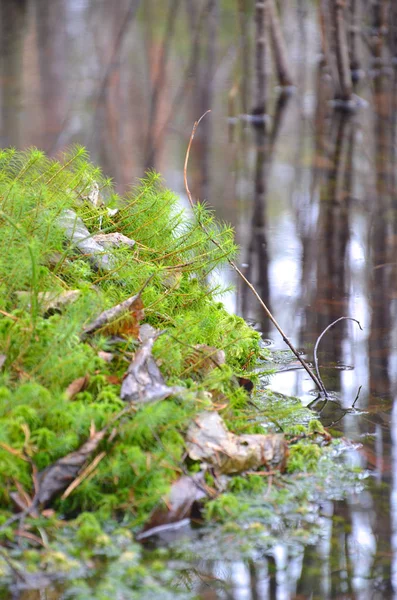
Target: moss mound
(59, 388)
(42, 350)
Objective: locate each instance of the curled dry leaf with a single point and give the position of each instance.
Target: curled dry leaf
(208, 440)
(80, 237)
(181, 503)
(128, 324)
(132, 308)
(57, 477)
(144, 381)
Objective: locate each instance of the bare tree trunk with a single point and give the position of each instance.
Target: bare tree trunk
(13, 24)
(380, 26)
(159, 81)
(327, 45)
(342, 50)
(353, 31)
(260, 57)
(278, 46)
(393, 30)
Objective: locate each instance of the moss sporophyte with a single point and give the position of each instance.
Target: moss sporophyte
(113, 346)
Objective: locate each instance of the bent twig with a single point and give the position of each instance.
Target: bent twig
(304, 364)
(318, 342)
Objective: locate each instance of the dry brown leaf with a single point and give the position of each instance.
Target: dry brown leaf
(204, 359)
(106, 356)
(209, 441)
(77, 386)
(54, 480)
(128, 324)
(185, 493)
(122, 319)
(113, 379)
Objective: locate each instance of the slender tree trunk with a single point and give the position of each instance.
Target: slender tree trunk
(278, 46)
(159, 70)
(380, 26)
(393, 30)
(353, 31)
(260, 57)
(327, 43)
(13, 23)
(342, 50)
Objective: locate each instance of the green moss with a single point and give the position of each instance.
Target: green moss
(304, 456)
(39, 423)
(225, 507)
(88, 529)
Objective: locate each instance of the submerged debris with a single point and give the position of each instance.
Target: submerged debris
(183, 498)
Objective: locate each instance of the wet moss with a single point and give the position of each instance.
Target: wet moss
(44, 353)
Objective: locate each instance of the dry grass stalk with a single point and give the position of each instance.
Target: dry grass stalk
(304, 364)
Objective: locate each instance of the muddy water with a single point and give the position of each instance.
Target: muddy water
(313, 201)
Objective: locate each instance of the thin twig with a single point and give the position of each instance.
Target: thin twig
(83, 475)
(304, 364)
(318, 342)
(17, 571)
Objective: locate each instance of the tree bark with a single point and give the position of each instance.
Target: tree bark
(354, 30)
(278, 46)
(381, 18)
(342, 50)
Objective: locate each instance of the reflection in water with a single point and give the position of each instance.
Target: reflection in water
(312, 196)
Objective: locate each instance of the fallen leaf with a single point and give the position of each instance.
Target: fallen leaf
(113, 379)
(57, 477)
(113, 240)
(208, 440)
(180, 504)
(144, 381)
(128, 324)
(80, 237)
(78, 385)
(129, 312)
(106, 356)
(50, 302)
(204, 359)
(94, 196)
